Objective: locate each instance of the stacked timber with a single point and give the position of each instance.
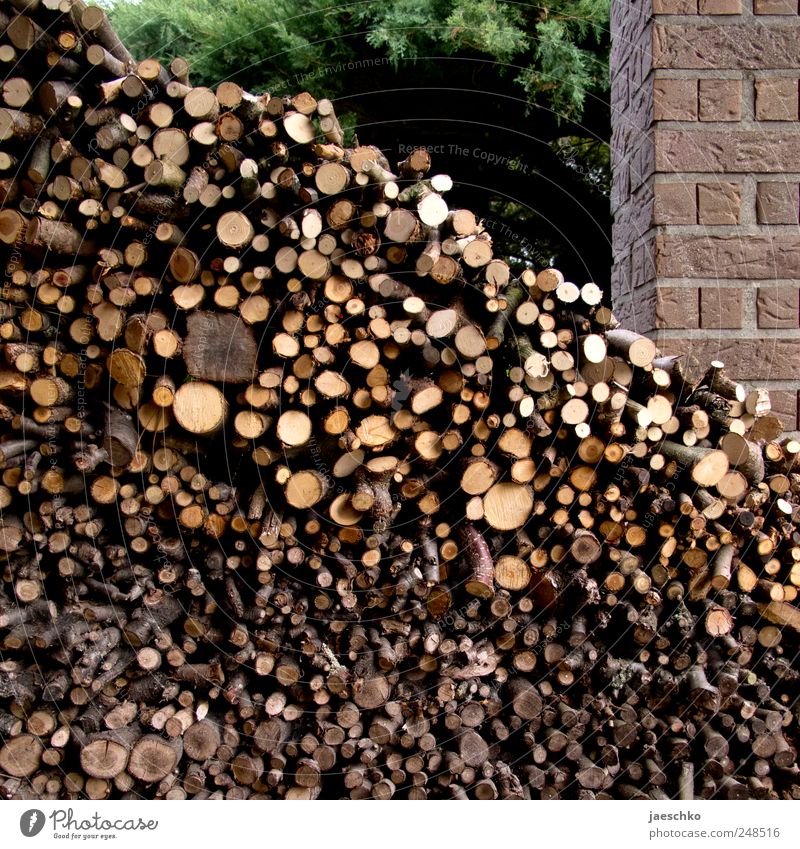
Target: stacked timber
(306, 492)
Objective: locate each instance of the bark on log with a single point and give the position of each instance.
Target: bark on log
(303, 483)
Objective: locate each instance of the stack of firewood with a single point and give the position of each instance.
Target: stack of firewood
(306, 492)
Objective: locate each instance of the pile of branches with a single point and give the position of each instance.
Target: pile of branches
(306, 492)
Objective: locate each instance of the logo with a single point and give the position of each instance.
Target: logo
(31, 822)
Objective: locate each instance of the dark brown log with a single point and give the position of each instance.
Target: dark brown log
(21, 756)
(279, 520)
(219, 348)
(121, 438)
(479, 562)
(57, 236)
(526, 701)
(19, 125)
(94, 20)
(154, 757)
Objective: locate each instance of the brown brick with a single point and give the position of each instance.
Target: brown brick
(727, 150)
(643, 262)
(675, 7)
(784, 405)
(619, 95)
(776, 99)
(622, 181)
(720, 100)
(637, 312)
(620, 185)
(675, 203)
(643, 160)
(777, 202)
(732, 257)
(778, 307)
(633, 218)
(677, 308)
(675, 100)
(640, 62)
(639, 114)
(748, 359)
(630, 27)
(718, 203)
(621, 277)
(758, 46)
(775, 7)
(720, 308)
(720, 7)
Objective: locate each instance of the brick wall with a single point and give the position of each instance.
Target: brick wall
(706, 159)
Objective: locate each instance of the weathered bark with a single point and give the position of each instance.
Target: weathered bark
(307, 492)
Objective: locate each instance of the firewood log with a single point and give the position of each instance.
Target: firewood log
(308, 492)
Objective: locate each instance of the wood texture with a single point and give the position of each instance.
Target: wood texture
(308, 492)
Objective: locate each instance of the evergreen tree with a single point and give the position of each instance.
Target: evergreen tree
(512, 96)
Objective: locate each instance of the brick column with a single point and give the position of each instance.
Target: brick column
(706, 159)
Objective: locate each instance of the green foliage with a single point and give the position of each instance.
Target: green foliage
(403, 29)
(249, 41)
(570, 58)
(588, 159)
(558, 49)
(523, 81)
(488, 27)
